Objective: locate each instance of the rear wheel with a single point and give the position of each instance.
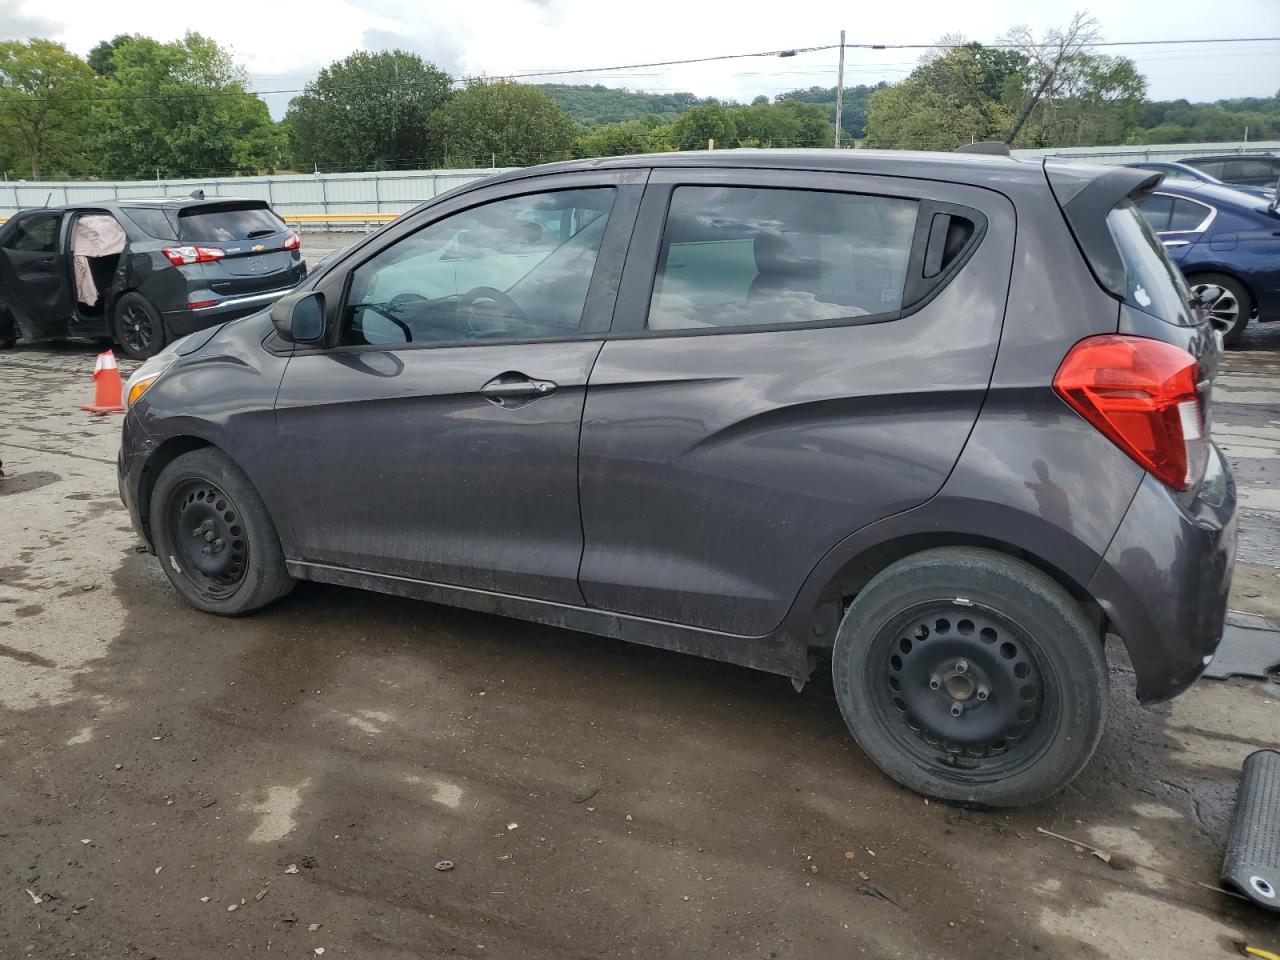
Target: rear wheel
(8, 330)
(214, 537)
(970, 676)
(138, 326)
(1231, 309)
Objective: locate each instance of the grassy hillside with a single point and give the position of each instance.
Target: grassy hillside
(592, 104)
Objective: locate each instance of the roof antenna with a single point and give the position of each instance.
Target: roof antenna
(48, 198)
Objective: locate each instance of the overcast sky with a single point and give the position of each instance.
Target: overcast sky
(282, 44)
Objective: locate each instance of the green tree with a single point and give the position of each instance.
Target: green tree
(504, 123)
(618, 139)
(180, 109)
(100, 56)
(45, 107)
(697, 125)
(368, 112)
(787, 123)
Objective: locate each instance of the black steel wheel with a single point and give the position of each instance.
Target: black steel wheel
(139, 328)
(963, 689)
(214, 537)
(971, 676)
(205, 526)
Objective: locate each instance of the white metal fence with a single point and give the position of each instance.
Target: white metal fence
(325, 193)
(391, 192)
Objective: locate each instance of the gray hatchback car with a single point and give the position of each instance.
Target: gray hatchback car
(940, 420)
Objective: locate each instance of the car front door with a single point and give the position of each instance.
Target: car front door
(793, 356)
(437, 439)
(33, 266)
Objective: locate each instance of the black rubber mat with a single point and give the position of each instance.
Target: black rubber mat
(1245, 652)
(1252, 861)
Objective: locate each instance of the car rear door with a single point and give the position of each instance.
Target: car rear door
(793, 356)
(34, 267)
(438, 440)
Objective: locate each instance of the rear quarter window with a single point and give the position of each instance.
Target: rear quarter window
(154, 221)
(225, 223)
(1153, 284)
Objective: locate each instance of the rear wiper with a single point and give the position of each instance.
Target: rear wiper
(254, 234)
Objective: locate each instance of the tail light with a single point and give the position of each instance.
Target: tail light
(180, 256)
(1141, 394)
(292, 241)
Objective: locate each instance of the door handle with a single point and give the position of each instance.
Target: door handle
(511, 388)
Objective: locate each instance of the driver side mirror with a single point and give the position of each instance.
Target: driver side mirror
(299, 317)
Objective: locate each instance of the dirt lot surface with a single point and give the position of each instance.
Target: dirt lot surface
(179, 786)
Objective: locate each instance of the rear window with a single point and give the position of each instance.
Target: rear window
(228, 223)
(1153, 284)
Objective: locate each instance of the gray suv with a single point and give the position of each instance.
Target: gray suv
(941, 421)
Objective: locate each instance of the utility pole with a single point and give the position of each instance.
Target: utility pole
(840, 90)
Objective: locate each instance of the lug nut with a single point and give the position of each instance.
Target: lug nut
(962, 666)
(935, 682)
(956, 709)
(983, 693)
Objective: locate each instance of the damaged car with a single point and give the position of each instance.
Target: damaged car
(141, 272)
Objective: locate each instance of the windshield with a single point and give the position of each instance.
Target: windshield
(1152, 283)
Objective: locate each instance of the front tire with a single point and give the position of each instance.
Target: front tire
(214, 537)
(969, 676)
(137, 326)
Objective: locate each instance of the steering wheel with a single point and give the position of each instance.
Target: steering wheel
(467, 302)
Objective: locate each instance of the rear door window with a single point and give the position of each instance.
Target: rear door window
(1156, 210)
(747, 256)
(226, 223)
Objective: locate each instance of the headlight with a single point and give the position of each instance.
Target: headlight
(146, 375)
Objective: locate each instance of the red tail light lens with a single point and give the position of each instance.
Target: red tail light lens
(180, 256)
(292, 241)
(1141, 394)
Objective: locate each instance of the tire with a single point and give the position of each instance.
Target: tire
(8, 330)
(137, 326)
(214, 537)
(1235, 305)
(1031, 693)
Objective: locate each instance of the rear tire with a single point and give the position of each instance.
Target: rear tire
(973, 677)
(8, 330)
(1235, 305)
(137, 326)
(214, 537)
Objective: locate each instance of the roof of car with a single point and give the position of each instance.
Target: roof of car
(176, 203)
(973, 168)
(1231, 156)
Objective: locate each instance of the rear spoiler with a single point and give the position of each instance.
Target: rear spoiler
(1086, 197)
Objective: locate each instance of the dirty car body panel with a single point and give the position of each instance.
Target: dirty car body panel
(726, 492)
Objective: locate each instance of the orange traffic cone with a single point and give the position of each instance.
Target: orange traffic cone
(107, 387)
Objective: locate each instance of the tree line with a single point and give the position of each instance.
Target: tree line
(140, 108)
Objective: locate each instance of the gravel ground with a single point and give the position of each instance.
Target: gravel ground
(181, 786)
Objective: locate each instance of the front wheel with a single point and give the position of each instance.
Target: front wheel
(214, 537)
(970, 676)
(138, 326)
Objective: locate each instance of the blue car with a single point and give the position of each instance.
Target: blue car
(1184, 172)
(1222, 238)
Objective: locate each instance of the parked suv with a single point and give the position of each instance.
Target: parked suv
(940, 420)
(141, 271)
(1248, 170)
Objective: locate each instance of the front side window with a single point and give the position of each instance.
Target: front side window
(746, 256)
(37, 233)
(518, 268)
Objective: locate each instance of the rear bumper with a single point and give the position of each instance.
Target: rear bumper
(1165, 579)
(187, 320)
